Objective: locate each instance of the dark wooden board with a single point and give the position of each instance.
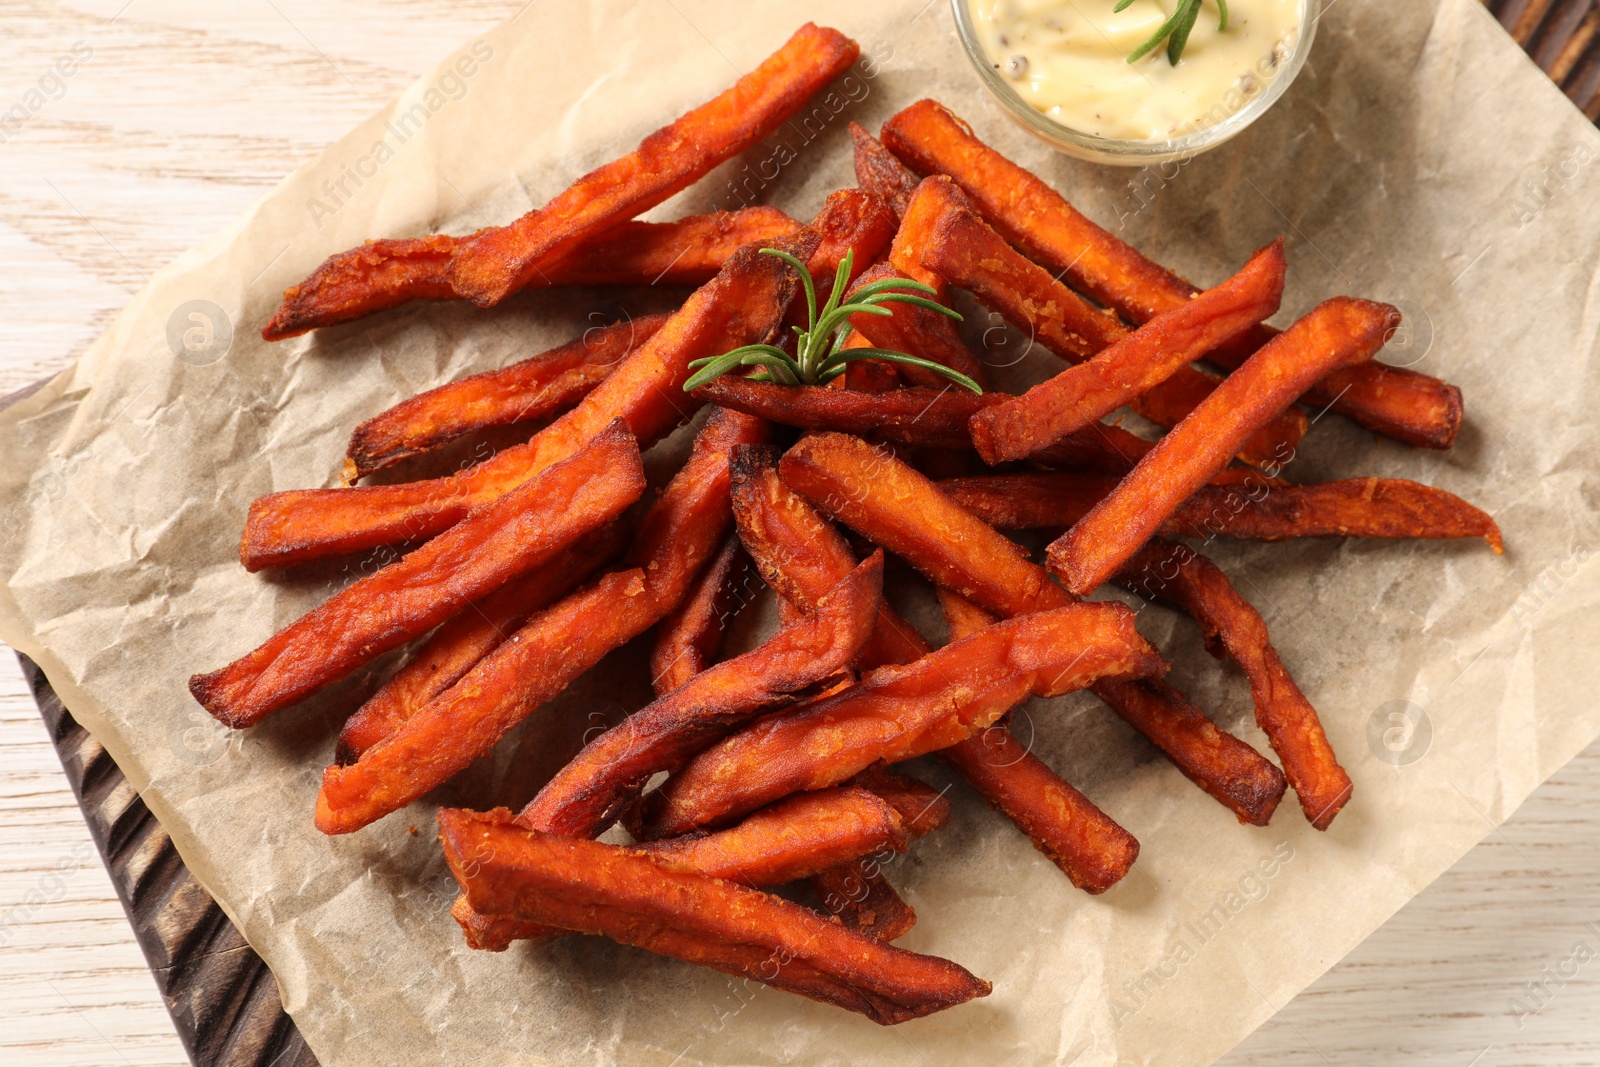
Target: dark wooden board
(1563, 37)
(223, 1000)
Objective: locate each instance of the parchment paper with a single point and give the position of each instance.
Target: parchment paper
(1420, 159)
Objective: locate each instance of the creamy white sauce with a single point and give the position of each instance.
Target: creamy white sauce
(1068, 58)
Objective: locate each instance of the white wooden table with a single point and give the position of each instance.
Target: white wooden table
(184, 114)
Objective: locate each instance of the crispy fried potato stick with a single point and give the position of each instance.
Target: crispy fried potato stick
(1393, 401)
(857, 892)
(801, 555)
(1130, 368)
(745, 303)
(880, 173)
(792, 839)
(861, 898)
(1254, 509)
(677, 536)
(918, 331)
(687, 641)
(1178, 575)
(455, 647)
(867, 375)
(629, 897)
(589, 792)
(895, 507)
(899, 713)
(385, 274)
(1337, 333)
(934, 418)
(582, 800)
(911, 416)
(409, 597)
(922, 808)
(1086, 843)
(907, 327)
(498, 262)
(852, 223)
(586, 796)
(963, 249)
(532, 389)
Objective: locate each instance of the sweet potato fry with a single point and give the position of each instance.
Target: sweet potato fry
(856, 892)
(795, 838)
(880, 173)
(1337, 333)
(686, 251)
(496, 263)
(901, 712)
(852, 223)
(801, 555)
(909, 328)
(1135, 365)
(586, 796)
(792, 839)
(688, 639)
(1176, 574)
(1255, 508)
(895, 507)
(922, 808)
(962, 248)
(583, 798)
(745, 303)
(861, 898)
(913, 415)
(919, 332)
(626, 895)
(678, 535)
(456, 646)
(1399, 403)
(409, 597)
(935, 418)
(1086, 843)
(353, 284)
(536, 388)
(1353, 507)
(867, 375)
(384, 274)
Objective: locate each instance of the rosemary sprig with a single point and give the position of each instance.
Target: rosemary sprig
(819, 352)
(1175, 31)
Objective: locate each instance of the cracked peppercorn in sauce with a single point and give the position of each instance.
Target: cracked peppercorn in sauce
(1068, 58)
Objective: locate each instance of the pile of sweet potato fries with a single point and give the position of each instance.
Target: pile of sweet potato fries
(771, 767)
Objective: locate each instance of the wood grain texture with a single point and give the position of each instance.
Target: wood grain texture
(186, 113)
(223, 1001)
(1563, 37)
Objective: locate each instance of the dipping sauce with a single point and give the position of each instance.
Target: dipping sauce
(1068, 59)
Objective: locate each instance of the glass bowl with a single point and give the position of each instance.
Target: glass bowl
(1134, 153)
